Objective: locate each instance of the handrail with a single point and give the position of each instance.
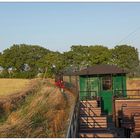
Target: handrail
(120, 93)
(73, 126)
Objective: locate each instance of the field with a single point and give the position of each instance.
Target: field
(10, 86)
(41, 111)
(133, 83)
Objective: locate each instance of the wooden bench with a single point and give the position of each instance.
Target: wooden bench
(97, 135)
(128, 119)
(94, 123)
(130, 111)
(119, 104)
(90, 111)
(136, 129)
(90, 103)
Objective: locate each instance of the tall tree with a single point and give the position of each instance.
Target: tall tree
(99, 55)
(19, 55)
(52, 62)
(125, 56)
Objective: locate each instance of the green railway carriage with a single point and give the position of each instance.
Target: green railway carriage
(104, 81)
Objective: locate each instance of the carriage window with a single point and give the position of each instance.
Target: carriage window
(106, 83)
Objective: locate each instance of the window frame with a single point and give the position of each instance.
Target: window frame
(107, 83)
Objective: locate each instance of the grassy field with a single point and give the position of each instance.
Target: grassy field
(43, 114)
(10, 86)
(133, 83)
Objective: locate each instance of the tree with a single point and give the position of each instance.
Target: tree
(19, 56)
(125, 57)
(1, 60)
(83, 56)
(99, 55)
(53, 62)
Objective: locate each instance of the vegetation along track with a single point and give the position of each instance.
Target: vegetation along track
(45, 113)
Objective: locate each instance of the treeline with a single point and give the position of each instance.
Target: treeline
(28, 61)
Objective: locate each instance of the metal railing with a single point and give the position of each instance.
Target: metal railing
(88, 95)
(127, 94)
(73, 126)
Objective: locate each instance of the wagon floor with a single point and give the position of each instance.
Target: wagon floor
(119, 131)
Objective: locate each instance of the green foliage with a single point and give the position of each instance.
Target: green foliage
(52, 63)
(19, 55)
(82, 56)
(126, 57)
(28, 61)
(99, 54)
(24, 74)
(37, 120)
(4, 74)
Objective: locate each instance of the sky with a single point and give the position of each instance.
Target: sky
(58, 26)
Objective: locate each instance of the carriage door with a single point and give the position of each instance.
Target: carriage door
(106, 95)
(94, 86)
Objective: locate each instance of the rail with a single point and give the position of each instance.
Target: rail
(73, 126)
(127, 94)
(88, 95)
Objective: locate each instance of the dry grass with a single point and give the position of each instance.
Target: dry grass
(10, 86)
(43, 114)
(133, 84)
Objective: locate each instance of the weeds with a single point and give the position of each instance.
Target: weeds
(44, 113)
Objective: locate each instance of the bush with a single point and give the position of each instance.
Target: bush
(29, 74)
(4, 74)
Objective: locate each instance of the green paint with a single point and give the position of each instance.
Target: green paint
(124, 85)
(94, 86)
(106, 101)
(88, 84)
(106, 97)
(82, 87)
(119, 83)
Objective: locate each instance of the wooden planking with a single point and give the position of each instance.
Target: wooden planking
(128, 103)
(130, 111)
(92, 103)
(90, 111)
(137, 124)
(96, 135)
(93, 122)
(96, 125)
(93, 119)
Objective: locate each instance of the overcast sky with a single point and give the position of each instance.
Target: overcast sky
(57, 26)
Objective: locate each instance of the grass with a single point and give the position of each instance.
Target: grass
(133, 83)
(138, 78)
(11, 86)
(43, 114)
